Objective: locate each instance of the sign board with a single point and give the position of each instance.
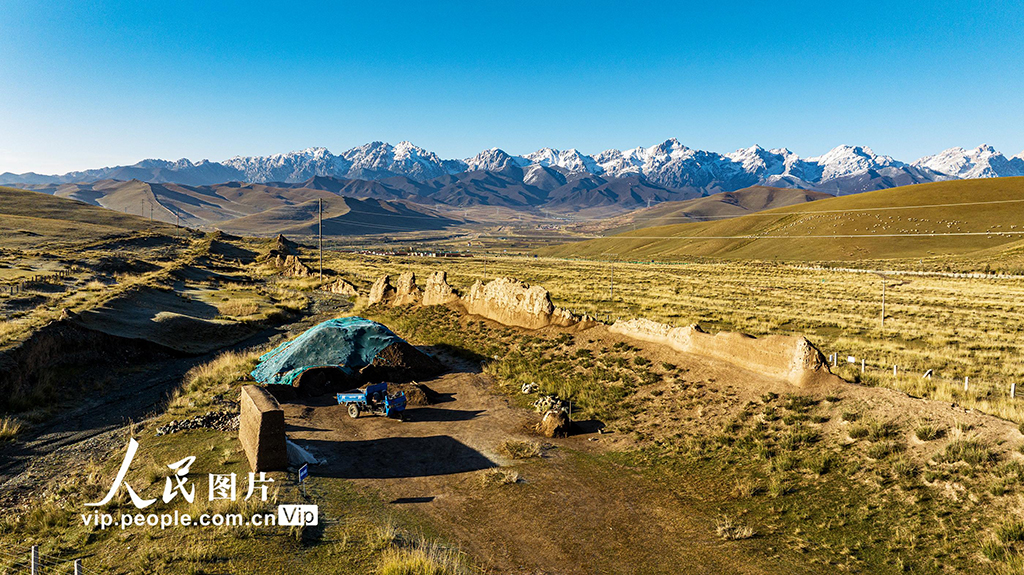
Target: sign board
(851, 359)
(303, 472)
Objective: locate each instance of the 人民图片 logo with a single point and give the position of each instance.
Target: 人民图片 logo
(219, 487)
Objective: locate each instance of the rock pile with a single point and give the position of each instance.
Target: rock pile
(220, 420)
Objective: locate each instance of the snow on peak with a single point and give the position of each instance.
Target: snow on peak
(847, 160)
(571, 160)
(495, 160)
(981, 162)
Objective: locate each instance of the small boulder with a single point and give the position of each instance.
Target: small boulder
(554, 424)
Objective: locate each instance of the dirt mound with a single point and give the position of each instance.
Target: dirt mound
(401, 362)
(438, 292)
(554, 424)
(381, 292)
(341, 287)
(291, 266)
(406, 290)
(789, 358)
(512, 302)
(416, 394)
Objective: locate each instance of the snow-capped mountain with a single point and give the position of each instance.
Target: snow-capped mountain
(494, 160)
(981, 162)
(669, 165)
(290, 167)
(403, 159)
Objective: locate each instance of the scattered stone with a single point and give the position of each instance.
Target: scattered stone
(530, 387)
(550, 403)
(219, 420)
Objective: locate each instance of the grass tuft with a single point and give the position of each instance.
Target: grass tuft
(517, 449)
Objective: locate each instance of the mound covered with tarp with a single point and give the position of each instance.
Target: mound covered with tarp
(343, 352)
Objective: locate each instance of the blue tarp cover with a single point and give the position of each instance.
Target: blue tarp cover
(350, 343)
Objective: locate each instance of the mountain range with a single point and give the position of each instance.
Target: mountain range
(562, 180)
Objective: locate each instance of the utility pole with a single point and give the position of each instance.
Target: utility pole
(320, 210)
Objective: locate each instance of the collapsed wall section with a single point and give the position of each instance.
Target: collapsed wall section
(789, 358)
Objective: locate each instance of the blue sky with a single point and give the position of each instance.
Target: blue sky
(88, 84)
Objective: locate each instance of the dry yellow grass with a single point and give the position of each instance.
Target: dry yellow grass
(422, 559)
(956, 327)
(9, 429)
(238, 308)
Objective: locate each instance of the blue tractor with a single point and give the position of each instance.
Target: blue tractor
(374, 399)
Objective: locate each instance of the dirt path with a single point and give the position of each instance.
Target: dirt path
(572, 512)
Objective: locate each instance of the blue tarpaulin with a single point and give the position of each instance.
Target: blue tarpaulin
(348, 343)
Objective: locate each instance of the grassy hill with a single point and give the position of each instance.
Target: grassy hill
(253, 209)
(719, 206)
(943, 218)
(29, 218)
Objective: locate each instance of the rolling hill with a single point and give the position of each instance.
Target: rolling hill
(342, 217)
(28, 219)
(943, 218)
(714, 207)
(260, 209)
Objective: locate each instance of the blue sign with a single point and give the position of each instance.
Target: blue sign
(303, 472)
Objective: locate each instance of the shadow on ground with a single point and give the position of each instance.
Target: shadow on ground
(398, 457)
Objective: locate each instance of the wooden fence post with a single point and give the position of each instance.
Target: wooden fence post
(966, 378)
(1013, 390)
(35, 560)
(78, 567)
(894, 371)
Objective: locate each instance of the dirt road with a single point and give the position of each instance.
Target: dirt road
(573, 511)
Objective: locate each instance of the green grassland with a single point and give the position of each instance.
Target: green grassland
(909, 222)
